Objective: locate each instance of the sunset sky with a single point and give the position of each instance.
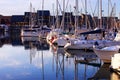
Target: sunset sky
(18, 7)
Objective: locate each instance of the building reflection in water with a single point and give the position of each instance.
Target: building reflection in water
(4, 38)
(34, 44)
(37, 47)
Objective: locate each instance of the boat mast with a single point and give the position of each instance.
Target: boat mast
(76, 18)
(100, 13)
(63, 13)
(53, 24)
(98, 22)
(30, 16)
(108, 14)
(42, 11)
(57, 14)
(114, 14)
(86, 13)
(70, 17)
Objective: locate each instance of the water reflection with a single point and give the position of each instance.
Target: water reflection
(86, 65)
(80, 61)
(34, 42)
(37, 47)
(86, 59)
(58, 60)
(33, 59)
(4, 38)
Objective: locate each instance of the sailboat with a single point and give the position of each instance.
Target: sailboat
(30, 31)
(87, 37)
(105, 53)
(44, 29)
(56, 36)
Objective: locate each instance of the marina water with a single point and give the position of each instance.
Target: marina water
(34, 59)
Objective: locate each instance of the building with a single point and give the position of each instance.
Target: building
(30, 18)
(43, 17)
(17, 20)
(5, 20)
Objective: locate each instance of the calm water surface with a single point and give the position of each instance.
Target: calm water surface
(29, 59)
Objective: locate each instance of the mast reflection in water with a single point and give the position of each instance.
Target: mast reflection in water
(33, 59)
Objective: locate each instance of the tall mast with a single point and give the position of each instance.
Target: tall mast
(86, 12)
(53, 16)
(76, 14)
(42, 11)
(100, 13)
(108, 7)
(76, 18)
(114, 14)
(63, 13)
(98, 22)
(30, 17)
(108, 14)
(57, 14)
(70, 16)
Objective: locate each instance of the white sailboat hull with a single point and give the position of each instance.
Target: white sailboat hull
(82, 44)
(78, 46)
(29, 33)
(61, 42)
(105, 55)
